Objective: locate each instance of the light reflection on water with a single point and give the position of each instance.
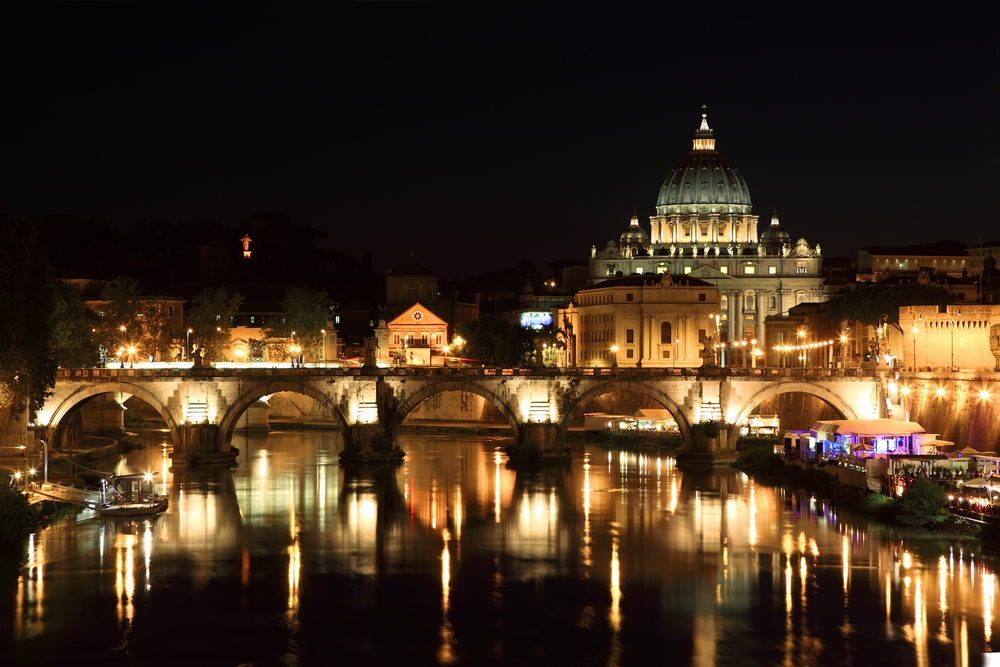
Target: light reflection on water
(453, 558)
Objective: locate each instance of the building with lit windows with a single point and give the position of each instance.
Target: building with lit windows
(418, 337)
(704, 228)
(644, 320)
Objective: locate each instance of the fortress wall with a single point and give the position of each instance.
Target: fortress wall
(961, 415)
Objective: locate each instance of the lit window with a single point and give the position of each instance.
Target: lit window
(772, 270)
(638, 269)
(251, 319)
(724, 269)
(687, 269)
(749, 270)
(336, 319)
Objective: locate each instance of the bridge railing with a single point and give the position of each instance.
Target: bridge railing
(118, 374)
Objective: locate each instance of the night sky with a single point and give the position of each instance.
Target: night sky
(475, 138)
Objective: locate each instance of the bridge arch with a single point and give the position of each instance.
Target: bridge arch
(844, 408)
(85, 392)
(408, 404)
(575, 405)
(255, 392)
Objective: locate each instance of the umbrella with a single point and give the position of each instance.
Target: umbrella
(982, 483)
(969, 450)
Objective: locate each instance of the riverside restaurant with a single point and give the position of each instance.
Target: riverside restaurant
(866, 438)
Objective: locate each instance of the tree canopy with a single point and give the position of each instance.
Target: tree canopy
(306, 313)
(498, 342)
(27, 367)
(211, 314)
(870, 301)
(74, 329)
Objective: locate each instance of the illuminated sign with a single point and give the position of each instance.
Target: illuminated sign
(536, 319)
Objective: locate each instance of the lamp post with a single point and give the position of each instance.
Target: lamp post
(614, 356)
(131, 357)
(322, 356)
(914, 347)
(187, 347)
(121, 349)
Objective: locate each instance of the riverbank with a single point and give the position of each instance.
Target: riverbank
(827, 483)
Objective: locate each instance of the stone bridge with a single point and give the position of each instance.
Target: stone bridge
(202, 406)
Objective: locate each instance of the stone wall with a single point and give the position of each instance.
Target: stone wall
(961, 414)
(457, 406)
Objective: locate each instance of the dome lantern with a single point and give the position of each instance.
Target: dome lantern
(704, 138)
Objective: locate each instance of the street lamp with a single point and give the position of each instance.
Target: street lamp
(914, 347)
(187, 347)
(952, 323)
(614, 356)
(131, 357)
(323, 355)
(121, 356)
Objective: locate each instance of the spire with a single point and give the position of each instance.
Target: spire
(704, 138)
(774, 216)
(635, 219)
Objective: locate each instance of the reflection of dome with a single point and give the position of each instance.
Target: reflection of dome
(774, 237)
(704, 182)
(635, 233)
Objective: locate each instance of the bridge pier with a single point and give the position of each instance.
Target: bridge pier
(545, 434)
(199, 443)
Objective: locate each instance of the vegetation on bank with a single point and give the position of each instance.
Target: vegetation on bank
(923, 503)
(17, 518)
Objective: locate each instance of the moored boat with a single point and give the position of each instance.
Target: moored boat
(131, 495)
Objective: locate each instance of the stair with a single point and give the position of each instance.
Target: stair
(197, 412)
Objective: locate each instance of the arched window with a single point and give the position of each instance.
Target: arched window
(750, 302)
(665, 333)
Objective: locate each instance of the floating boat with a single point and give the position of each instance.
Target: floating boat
(131, 495)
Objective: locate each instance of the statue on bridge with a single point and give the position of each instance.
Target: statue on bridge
(371, 352)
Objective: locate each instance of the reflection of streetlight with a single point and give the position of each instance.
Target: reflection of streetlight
(187, 347)
(614, 357)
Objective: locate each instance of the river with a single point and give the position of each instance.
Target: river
(451, 558)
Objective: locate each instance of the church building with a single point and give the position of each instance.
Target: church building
(704, 228)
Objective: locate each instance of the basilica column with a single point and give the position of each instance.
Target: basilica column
(740, 305)
(762, 306)
(731, 313)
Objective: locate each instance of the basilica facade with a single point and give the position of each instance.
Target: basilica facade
(704, 228)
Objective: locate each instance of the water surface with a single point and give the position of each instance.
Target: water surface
(451, 558)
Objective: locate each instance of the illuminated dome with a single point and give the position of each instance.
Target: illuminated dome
(774, 237)
(635, 233)
(704, 182)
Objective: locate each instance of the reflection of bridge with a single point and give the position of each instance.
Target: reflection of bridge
(202, 406)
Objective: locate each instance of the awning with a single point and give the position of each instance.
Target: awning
(868, 428)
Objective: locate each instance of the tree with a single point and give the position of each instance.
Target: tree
(120, 316)
(306, 313)
(870, 301)
(211, 314)
(27, 367)
(922, 503)
(497, 342)
(74, 328)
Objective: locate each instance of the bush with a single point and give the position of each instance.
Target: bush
(876, 504)
(922, 503)
(133, 418)
(17, 518)
(709, 429)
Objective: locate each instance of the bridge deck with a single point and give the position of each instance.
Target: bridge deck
(319, 371)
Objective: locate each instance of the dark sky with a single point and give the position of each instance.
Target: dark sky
(476, 138)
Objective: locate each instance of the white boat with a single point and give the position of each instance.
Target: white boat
(131, 495)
